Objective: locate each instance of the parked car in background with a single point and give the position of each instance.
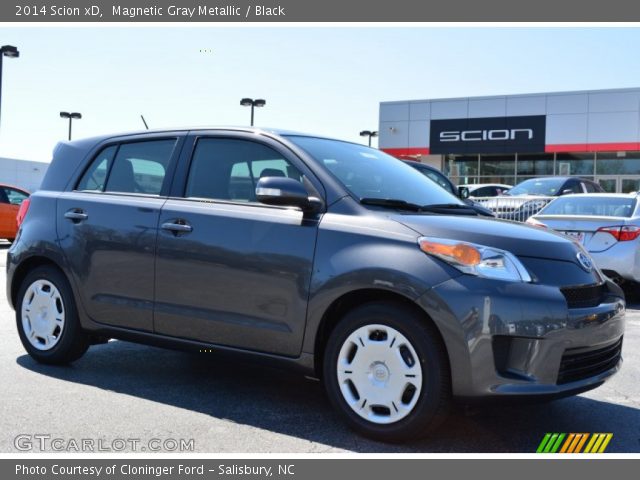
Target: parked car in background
(483, 190)
(530, 196)
(338, 261)
(606, 224)
(441, 179)
(10, 200)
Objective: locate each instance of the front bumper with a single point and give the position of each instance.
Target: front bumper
(517, 339)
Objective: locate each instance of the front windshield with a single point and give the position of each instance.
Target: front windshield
(370, 173)
(537, 186)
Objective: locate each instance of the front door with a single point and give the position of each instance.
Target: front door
(229, 270)
(107, 227)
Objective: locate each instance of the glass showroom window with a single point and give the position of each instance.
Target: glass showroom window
(618, 163)
(462, 169)
(575, 164)
(537, 165)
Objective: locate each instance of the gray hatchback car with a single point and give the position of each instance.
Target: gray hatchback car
(322, 255)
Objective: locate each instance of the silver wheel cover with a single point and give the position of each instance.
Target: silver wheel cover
(379, 374)
(43, 315)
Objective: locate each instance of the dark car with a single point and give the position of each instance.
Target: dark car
(321, 255)
(530, 196)
(441, 179)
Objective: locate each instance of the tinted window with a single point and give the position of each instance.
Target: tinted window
(599, 206)
(538, 186)
(226, 169)
(95, 177)
(572, 185)
(484, 192)
(370, 173)
(140, 167)
(12, 196)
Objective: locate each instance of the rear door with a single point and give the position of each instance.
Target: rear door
(107, 227)
(230, 270)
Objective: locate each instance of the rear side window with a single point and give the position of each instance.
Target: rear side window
(138, 167)
(228, 169)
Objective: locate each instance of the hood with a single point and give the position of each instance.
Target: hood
(519, 239)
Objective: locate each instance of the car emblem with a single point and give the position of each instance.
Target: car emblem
(585, 262)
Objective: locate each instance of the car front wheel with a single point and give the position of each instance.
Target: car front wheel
(386, 371)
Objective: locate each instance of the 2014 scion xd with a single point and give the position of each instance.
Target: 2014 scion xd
(323, 255)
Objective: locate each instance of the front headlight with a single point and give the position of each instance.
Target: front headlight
(473, 259)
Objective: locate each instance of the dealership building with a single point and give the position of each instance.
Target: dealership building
(507, 139)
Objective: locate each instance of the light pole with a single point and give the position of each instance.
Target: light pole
(368, 133)
(250, 102)
(70, 116)
(6, 51)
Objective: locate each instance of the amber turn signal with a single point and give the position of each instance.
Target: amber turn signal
(462, 253)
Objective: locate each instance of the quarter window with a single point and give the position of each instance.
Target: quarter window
(95, 177)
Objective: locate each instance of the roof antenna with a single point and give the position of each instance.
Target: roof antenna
(145, 123)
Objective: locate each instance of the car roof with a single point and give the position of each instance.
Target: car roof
(480, 185)
(563, 178)
(602, 195)
(90, 141)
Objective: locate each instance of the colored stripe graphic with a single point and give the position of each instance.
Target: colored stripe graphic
(574, 442)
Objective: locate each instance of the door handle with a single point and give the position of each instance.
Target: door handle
(177, 226)
(76, 215)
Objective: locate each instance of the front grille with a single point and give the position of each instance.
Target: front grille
(578, 363)
(584, 297)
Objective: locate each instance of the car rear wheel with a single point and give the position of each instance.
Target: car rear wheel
(386, 372)
(47, 319)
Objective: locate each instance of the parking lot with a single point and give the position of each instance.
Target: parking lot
(132, 392)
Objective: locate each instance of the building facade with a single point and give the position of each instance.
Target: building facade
(508, 139)
(23, 174)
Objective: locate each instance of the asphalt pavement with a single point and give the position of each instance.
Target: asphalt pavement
(126, 397)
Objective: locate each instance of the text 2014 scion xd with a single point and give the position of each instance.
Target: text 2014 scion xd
(327, 256)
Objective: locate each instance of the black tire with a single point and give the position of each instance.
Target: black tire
(434, 399)
(72, 342)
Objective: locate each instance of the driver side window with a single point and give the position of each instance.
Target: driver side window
(229, 169)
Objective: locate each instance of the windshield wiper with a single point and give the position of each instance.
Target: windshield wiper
(391, 203)
(449, 208)
(442, 208)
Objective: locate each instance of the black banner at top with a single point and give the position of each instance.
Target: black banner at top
(317, 11)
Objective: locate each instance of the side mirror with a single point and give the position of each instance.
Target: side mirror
(285, 192)
(463, 192)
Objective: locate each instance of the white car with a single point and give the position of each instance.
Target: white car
(605, 224)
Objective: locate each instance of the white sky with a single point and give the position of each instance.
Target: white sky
(325, 80)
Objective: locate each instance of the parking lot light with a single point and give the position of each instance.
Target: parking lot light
(71, 116)
(250, 102)
(369, 133)
(6, 51)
